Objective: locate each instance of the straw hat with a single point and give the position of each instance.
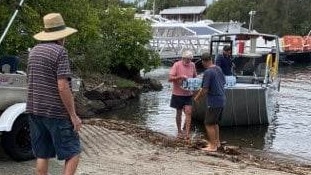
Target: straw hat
(187, 54)
(54, 28)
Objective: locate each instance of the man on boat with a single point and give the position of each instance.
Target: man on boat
(181, 99)
(224, 61)
(213, 89)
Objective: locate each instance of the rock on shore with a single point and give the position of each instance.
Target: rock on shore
(101, 93)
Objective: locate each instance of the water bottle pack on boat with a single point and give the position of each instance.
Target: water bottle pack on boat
(230, 81)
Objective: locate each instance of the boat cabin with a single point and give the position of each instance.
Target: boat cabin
(251, 54)
(250, 99)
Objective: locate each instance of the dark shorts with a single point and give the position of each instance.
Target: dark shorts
(179, 102)
(213, 116)
(51, 137)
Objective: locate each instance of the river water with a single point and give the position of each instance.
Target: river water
(288, 134)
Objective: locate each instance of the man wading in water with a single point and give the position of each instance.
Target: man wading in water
(181, 99)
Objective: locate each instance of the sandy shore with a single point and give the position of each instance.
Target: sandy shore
(115, 148)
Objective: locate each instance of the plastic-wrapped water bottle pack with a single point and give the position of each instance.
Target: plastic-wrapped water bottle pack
(192, 84)
(230, 81)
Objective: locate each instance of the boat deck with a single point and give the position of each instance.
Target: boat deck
(246, 86)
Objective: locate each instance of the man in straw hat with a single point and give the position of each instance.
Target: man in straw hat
(54, 124)
(181, 99)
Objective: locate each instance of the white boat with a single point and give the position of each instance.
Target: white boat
(171, 37)
(251, 100)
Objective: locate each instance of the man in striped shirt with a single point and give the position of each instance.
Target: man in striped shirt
(54, 124)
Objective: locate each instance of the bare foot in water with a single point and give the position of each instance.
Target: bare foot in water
(180, 135)
(183, 136)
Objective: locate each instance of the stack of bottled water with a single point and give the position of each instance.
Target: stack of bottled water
(192, 84)
(184, 84)
(230, 81)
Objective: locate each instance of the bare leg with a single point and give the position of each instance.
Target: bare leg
(211, 133)
(217, 135)
(187, 110)
(184, 127)
(42, 166)
(178, 121)
(71, 165)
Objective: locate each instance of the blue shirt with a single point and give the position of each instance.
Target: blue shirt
(225, 63)
(214, 81)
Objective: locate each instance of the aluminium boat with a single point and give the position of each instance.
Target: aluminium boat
(250, 99)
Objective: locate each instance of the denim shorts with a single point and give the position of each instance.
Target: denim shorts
(51, 137)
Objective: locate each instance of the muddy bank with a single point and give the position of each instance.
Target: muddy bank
(121, 148)
(243, 156)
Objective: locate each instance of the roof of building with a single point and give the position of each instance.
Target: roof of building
(183, 10)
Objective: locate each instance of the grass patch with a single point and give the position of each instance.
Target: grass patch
(124, 83)
(109, 80)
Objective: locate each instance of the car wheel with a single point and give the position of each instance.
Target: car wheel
(16, 143)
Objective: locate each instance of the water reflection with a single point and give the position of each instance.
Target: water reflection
(294, 117)
(289, 133)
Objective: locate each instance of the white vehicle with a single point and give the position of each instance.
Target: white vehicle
(14, 124)
(14, 127)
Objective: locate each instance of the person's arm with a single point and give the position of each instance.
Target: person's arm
(176, 78)
(195, 73)
(205, 86)
(68, 101)
(201, 93)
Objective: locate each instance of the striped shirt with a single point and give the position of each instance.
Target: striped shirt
(46, 63)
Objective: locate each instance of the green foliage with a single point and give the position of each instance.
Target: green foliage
(125, 39)
(278, 17)
(105, 38)
(226, 10)
(124, 83)
(17, 38)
